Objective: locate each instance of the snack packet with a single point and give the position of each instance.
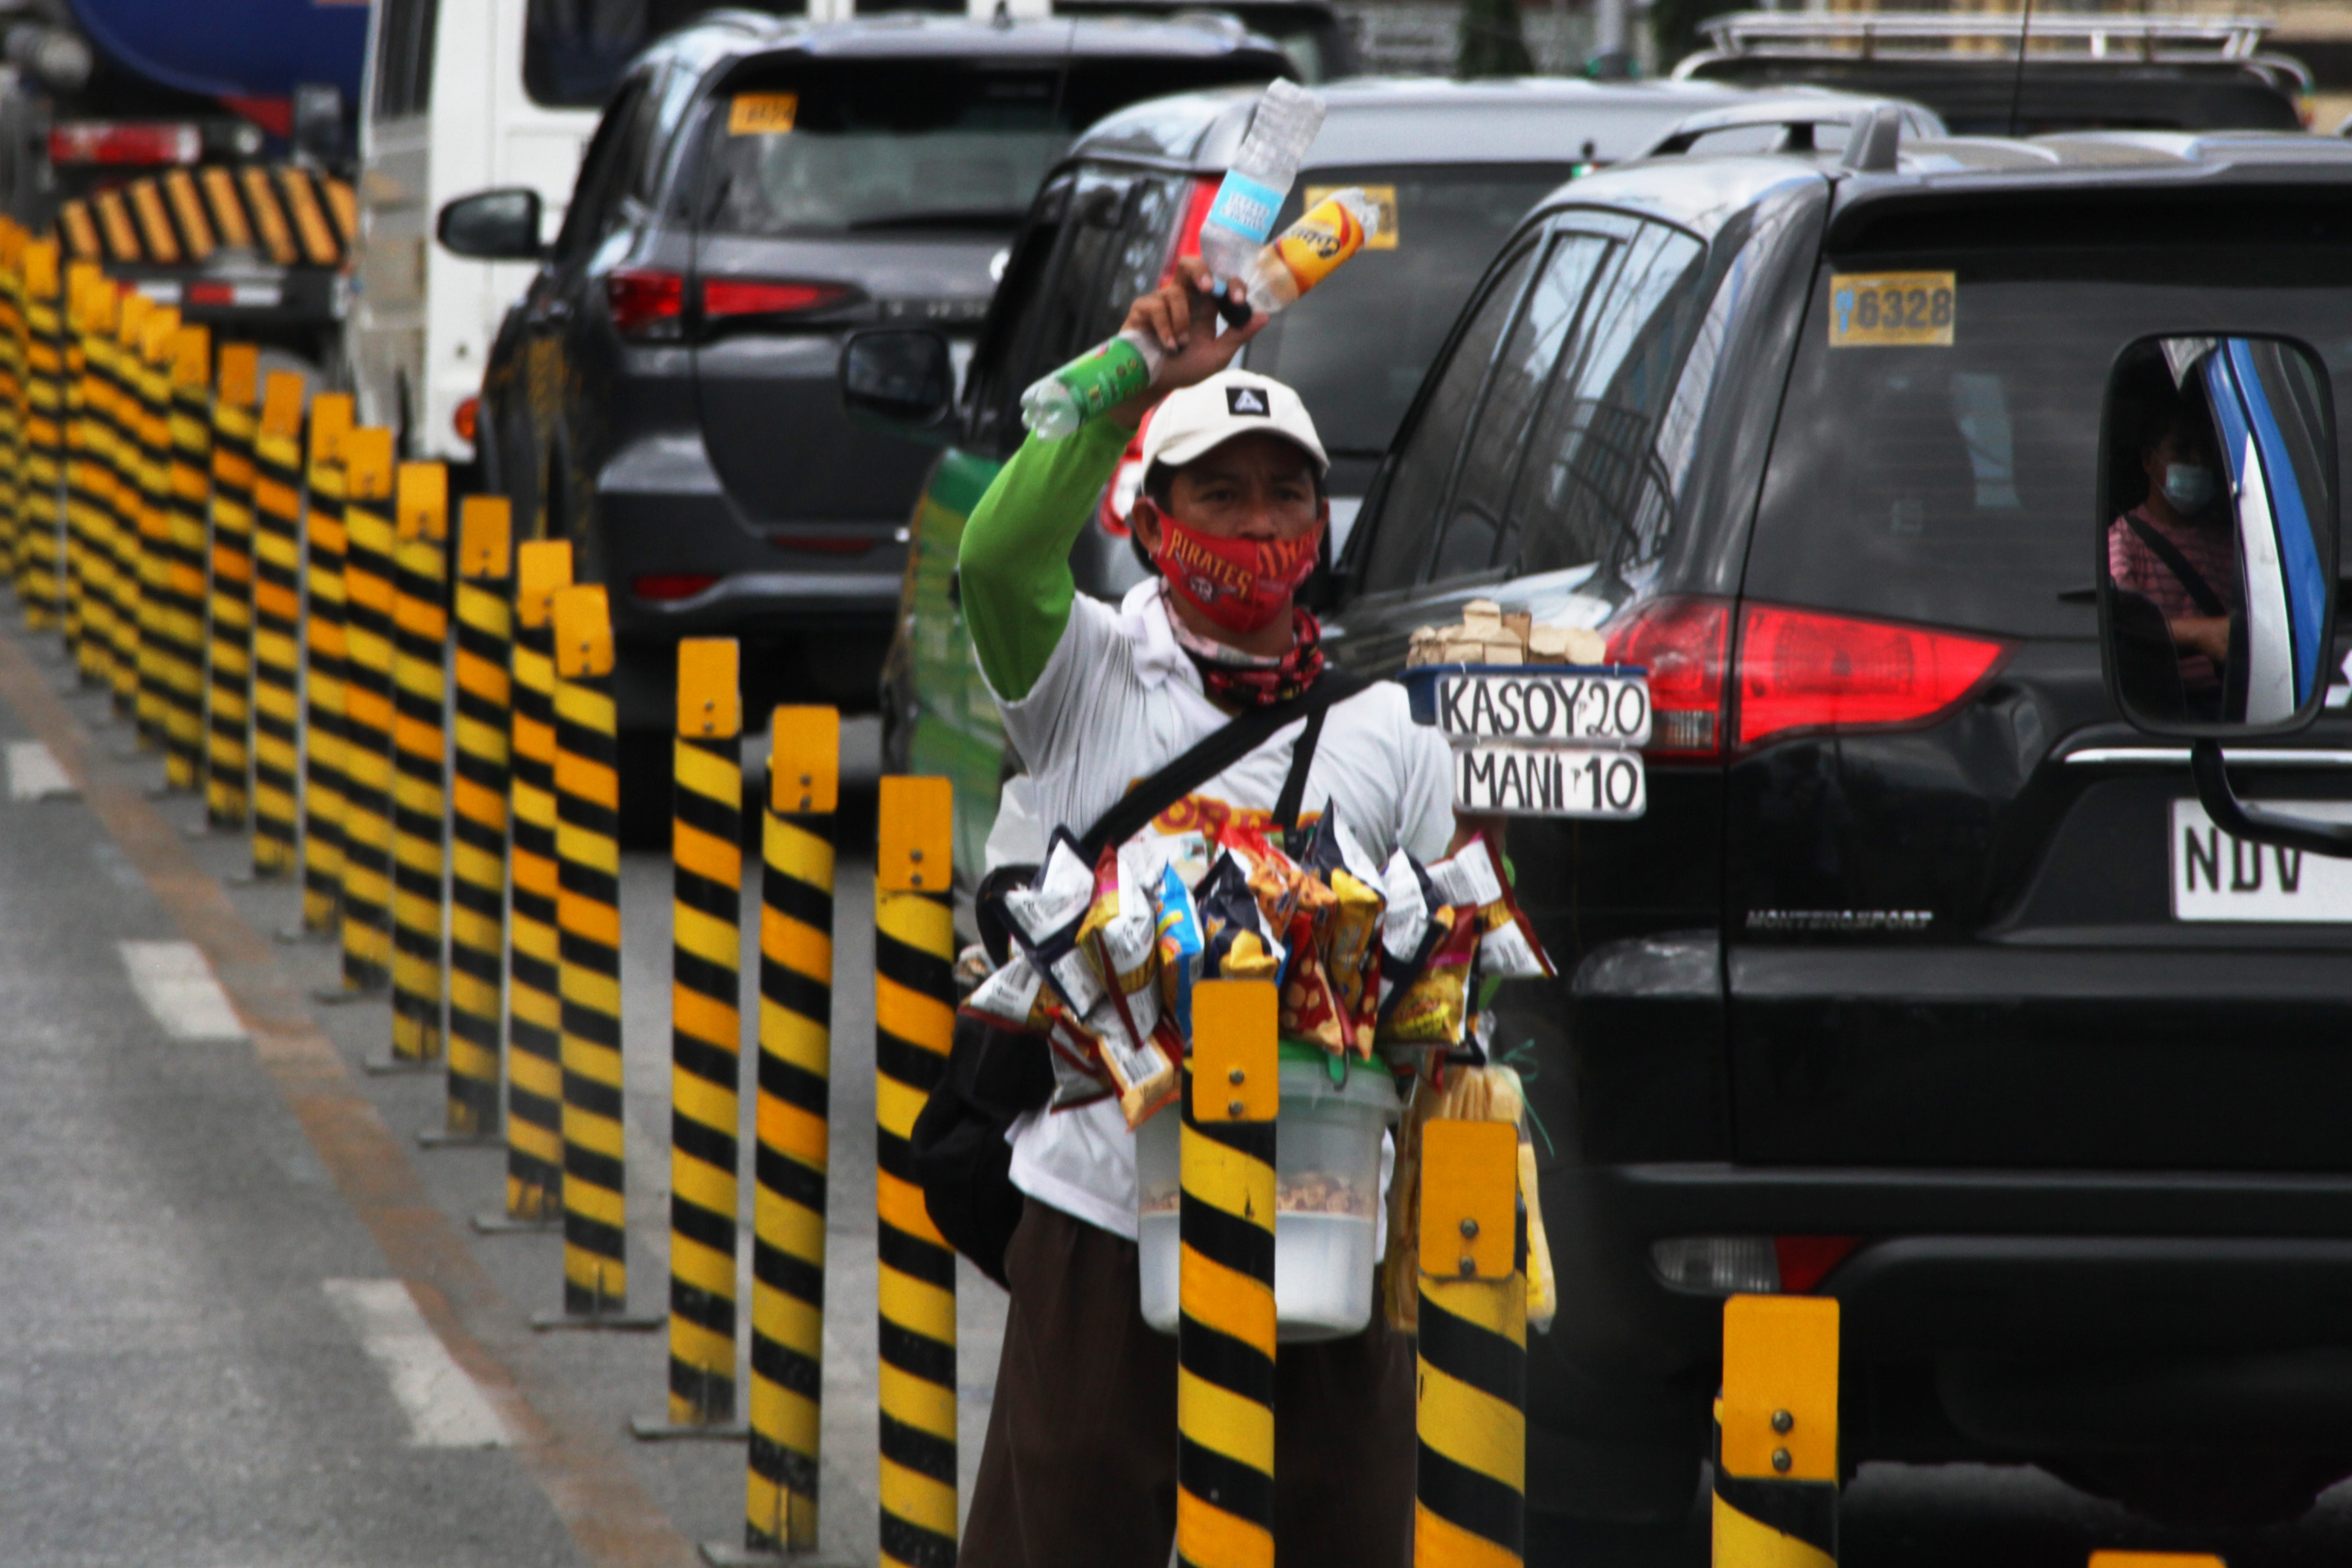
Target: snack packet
(1144, 1073)
(1079, 1078)
(1407, 935)
(1120, 937)
(1434, 1008)
(1013, 998)
(1044, 919)
(1349, 940)
(1236, 944)
(1180, 949)
(1508, 947)
(1310, 1008)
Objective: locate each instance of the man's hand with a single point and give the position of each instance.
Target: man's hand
(1180, 316)
(2208, 634)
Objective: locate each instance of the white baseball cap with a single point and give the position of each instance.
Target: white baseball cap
(1191, 422)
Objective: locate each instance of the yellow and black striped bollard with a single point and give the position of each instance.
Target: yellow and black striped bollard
(188, 425)
(324, 657)
(1776, 1434)
(420, 790)
(88, 621)
(706, 1029)
(791, 1114)
(534, 1005)
(914, 1017)
(229, 651)
(12, 405)
(1470, 1507)
(277, 621)
(588, 931)
(101, 307)
(369, 542)
(1224, 1285)
(125, 428)
(148, 371)
(44, 582)
(484, 641)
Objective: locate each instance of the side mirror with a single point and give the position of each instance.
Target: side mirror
(319, 122)
(2218, 549)
(492, 226)
(904, 375)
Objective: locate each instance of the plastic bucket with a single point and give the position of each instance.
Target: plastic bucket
(1327, 1180)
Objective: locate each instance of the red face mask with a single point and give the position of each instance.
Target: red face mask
(1242, 585)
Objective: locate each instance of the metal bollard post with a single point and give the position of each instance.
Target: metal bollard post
(534, 1010)
(588, 927)
(188, 483)
(123, 431)
(420, 790)
(791, 1114)
(325, 656)
(370, 542)
(89, 628)
(477, 818)
(228, 655)
(1224, 1334)
(706, 1029)
(1470, 1504)
(914, 1017)
(1776, 1434)
(277, 621)
(44, 430)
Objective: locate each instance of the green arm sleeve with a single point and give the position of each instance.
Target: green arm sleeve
(1013, 567)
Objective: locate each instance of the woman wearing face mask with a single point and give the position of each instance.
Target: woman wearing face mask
(2175, 548)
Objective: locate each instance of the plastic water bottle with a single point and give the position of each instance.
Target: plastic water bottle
(1098, 380)
(1280, 131)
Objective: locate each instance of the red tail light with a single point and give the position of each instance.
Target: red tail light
(210, 294)
(1806, 1260)
(1802, 670)
(119, 142)
(724, 297)
(1196, 212)
(646, 304)
(1682, 642)
(466, 418)
(666, 587)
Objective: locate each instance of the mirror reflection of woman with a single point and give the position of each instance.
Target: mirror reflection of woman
(2176, 550)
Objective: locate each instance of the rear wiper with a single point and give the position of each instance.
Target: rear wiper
(971, 219)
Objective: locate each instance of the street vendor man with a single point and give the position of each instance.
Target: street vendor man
(1079, 1466)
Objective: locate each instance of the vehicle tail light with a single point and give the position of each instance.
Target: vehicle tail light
(1682, 642)
(210, 294)
(1126, 484)
(466, 419)
(726, 297)
(668, 588)
(646, 304)
(1748, 1264)
(125, 141)
(1196, 212)
(1806, 1260)
(1802, 670)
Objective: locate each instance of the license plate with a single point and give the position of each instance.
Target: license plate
(1496, 778)
(1566, 706)
(2218, 877)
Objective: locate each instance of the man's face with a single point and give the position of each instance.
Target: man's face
(1253, 487)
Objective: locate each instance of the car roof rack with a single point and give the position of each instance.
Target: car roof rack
(1801, 115)
(1935, 35)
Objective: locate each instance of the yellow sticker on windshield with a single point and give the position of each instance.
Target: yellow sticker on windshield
(761, 113)
(1892, 309)
(1380, 196)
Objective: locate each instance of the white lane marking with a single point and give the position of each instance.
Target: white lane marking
(177, 984)
(35, 772)
(446, 1408)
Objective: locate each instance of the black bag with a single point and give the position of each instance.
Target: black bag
(994, 1075)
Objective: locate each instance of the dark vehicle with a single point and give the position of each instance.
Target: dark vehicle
(2081, 72)
(1455, 165)
(664, 394)
(1308, 31)
(1926, 982)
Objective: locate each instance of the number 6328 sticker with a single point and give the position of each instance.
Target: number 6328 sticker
(1891, 310)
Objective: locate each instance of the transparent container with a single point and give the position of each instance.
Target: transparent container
(1327, 1181)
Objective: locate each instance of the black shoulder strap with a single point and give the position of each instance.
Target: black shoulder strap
(1216, 751)
(2208, 601)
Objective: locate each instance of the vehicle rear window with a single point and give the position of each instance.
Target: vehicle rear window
(1358, 351)
(872, 146)
(1960, 485)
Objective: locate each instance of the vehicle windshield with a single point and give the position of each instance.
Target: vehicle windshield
(910, 145)
(1358, 350)
(1957, 481)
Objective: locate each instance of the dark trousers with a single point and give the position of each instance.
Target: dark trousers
(1080, 1462)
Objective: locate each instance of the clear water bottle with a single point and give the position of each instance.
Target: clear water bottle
(1280, 131)
(1096, 381)
(1310, 249)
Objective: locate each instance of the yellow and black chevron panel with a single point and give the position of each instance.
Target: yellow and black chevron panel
(484, 644)
(420, 788)
(277, 621)
(189, 427)
(229, 651)
(370, 544)
(87, 635)
(1776, 1434)
(324, 657)
(45, 582)
(149, 377)
(534, 1008)
(588, 927)
(914, 1016)
(1224, 1288)
(792, 1113)
(706, 1026)
(1470, 1507)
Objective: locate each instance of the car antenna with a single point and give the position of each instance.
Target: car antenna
(2016, 82)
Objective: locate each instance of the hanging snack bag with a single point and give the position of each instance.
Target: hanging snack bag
(1044, 919)
(1408, 936)
(1079, 1078)
(1508, 947)
(1434, 1008)
(1180, 949)
(1120, 937)
(1234, 942)
(1349, 942)
(1013, 998)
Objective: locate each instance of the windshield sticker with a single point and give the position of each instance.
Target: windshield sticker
(1380, 196)
(761, 113)
(1892, 309)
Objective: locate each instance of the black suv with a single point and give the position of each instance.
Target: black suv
(1924, 983)
(664, 394)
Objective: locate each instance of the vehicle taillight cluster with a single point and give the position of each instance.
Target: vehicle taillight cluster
(125, 141)
(1792, 670)
(649, 304)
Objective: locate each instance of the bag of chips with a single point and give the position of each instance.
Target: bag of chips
(1235, 942)
(1508, 947)
(1434, 1008)
(1044, 918)
(1012, 997)
(1349, 940)
(1180, 949)
(1079, 1078)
